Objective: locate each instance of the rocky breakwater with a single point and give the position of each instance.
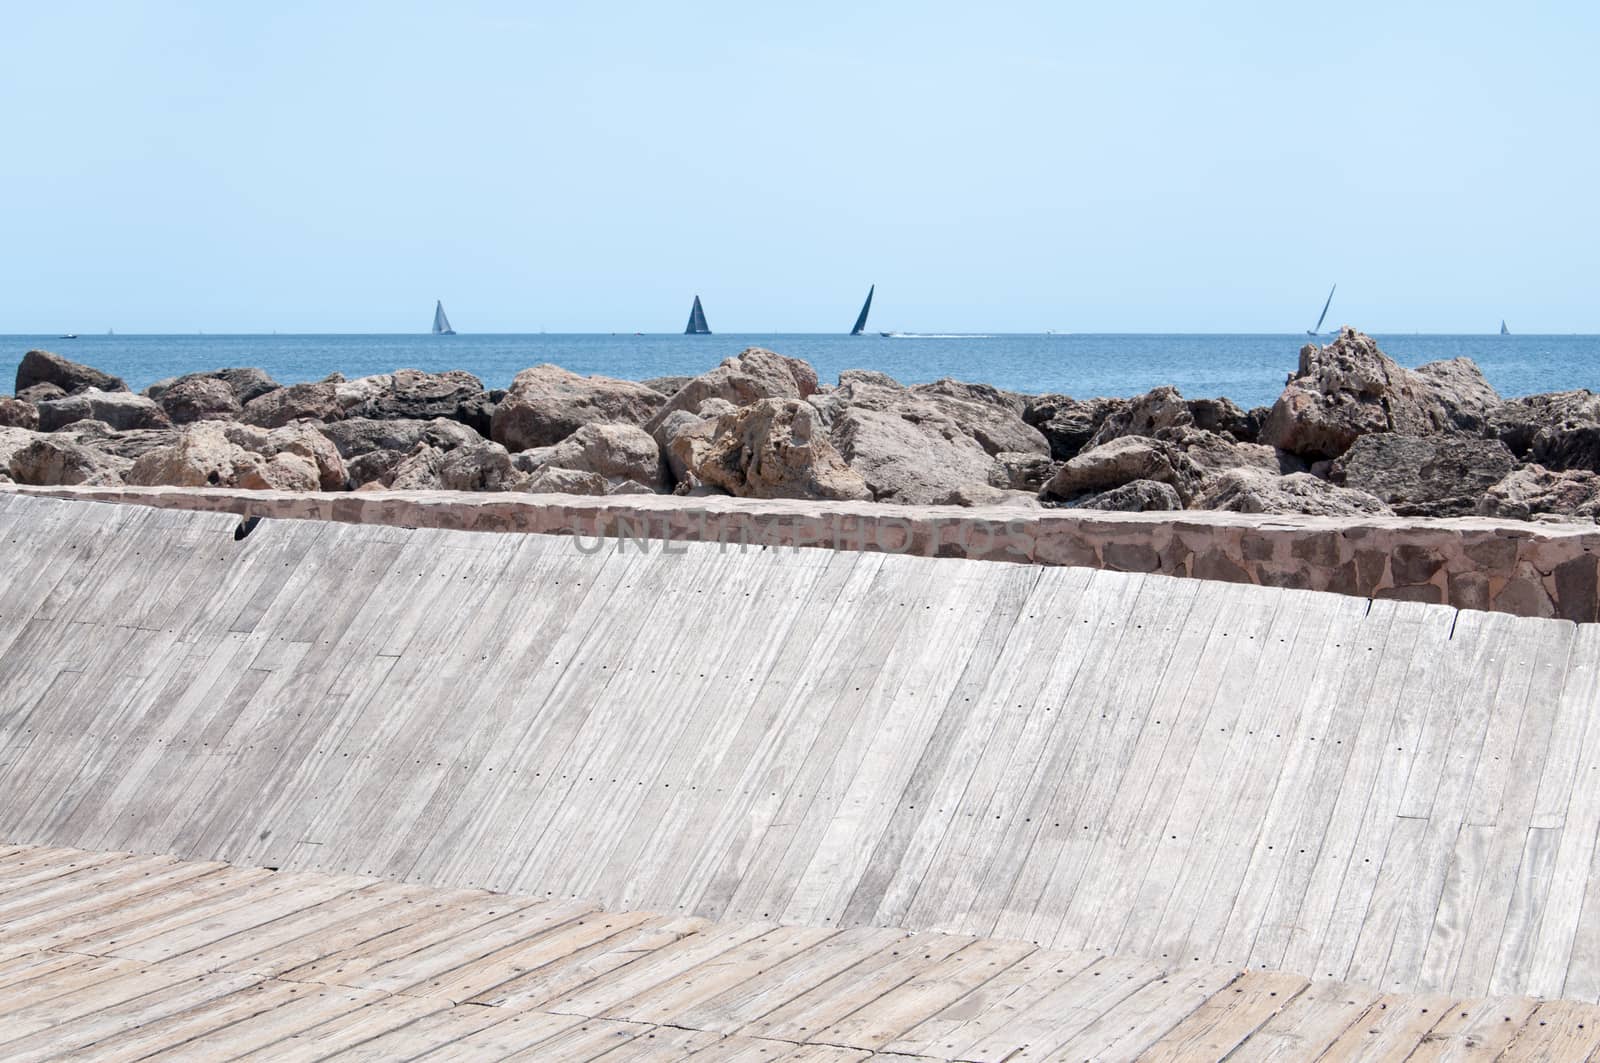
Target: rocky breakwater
(1352, 434)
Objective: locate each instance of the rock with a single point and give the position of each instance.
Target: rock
(97, 435)
(755, 373)
(202, 456)
(1426, 476)
(199, 397)
(281, 472)
(122, 410)
(418, 470)
(1260, 491)
(688, 439)
(313, 402)
(41, 393)
(1144, 415)
(15, 413)
(867, 376)
(11, 441)
(1350, 388)
(362, 435)
(1021, 472)
(1122, 461)
(616, 451)
(1013, 402)
(1225, 417)
(551, 481)
(546, 404)
(666, 385)
(50, 461)
(1517, 421)
(1139, 496)
(307, 442)
(414, 395)
(1067, 423)
(483, 466)
(1215, 452)
(988, 495)
(42, 367)
(1567, 445)
(373, 467)
(776, 448)
(628, 487)
(242, 384)
(1533, 491)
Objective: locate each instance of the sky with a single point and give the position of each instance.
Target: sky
(1150, 167)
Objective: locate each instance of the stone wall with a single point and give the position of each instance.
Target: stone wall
(1529, 569)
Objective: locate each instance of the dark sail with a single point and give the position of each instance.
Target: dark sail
(697, 321)
(866, 308)
(1503, 330)
(441, 324)
(1324, 315)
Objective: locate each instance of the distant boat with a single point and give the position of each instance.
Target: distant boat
(697, 321)
(441, 324)
(70, 336)
(1317, 330)
(1503, 330)
(866, 308)
(111, 332)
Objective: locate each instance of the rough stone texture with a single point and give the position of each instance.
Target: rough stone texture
(1217, 452)
(1122, 461)
(97, 435)
(51, 460)
(1224, 417)
(546, 404)
(1534, 490)
(1517, 421)
(1426, 476)
(1259, 491)
(1144, 415)
(43, 367)
(373, 467)
(14, 413)
(988, 495)
(776, 448)
(1350, 388)
(199, 397)
(1013, 402)
(754, 374)
(616, 451)
(483, 466)
(361, 435)
(203, 456)
(1567, 445)
(1139, 496)
(1067, 423)
(244, 383)
(38, 393)
(1500, 565)
(667, 385)
(551, 480)
(314, 402)
(122, 410)
(1021, 472)
(303, 440)
(412, 394)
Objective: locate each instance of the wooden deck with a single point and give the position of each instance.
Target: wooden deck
(117, 957)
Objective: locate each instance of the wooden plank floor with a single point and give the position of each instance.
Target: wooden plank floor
(113, 956)
(1389, 794)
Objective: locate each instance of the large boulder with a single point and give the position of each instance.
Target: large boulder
(1535, 491)
(1567, 445)
(1068, 424)
(1013, 402)
(776, 448)
(42, 367)
(1425, 476)
(415, 395)
(1139, 496)
(15, 413)
(755, 373)
(122, 410)
(482, 466)
(553, 481)
(355, 436)
(616, 451)
(1144, 415)
(1225, 417)
(199, 397)
(1516, 422)
(1122, 461)
(51, 460)
(1215, 452)
(373, 467)
(297, 402)
(243, 383)
(43, 392)
(546, 404)
(1260, 491)
(1021, 472)
(1350, 388)
(97, 435)
(305, 441)
(202, 456)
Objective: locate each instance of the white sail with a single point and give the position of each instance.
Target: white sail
(441, 324)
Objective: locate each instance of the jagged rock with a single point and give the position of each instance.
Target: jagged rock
(11, 441)
(50, 460)
(1144, 415)
(1021, 472)
(41, 393)
(1567, 445)
(15, 413)
(483, 466)
(1067, 423)
(1224, 417)
(244, 383)
(1140, 496)
(361, 435)
(1260, 491)
(122, 410)
(627, 487)
(989, 495)
(1215, 452)
(546, 404)
(373, 467)
(1013, 402)
(1350, 388)
(97, 435)
(1532, 491)
(1425, 476)
(776, 448)
(1122, 461)
(550, 481)
(305, 441)
(867, 376)
(689, 439)
(666, 385)
(415, 395)
(1517, 421)
(281, 472)
(616, 451)
(43, 367)
(418, 470)
(202, 456)
(313, 402)
(199, 397)
(755, 373)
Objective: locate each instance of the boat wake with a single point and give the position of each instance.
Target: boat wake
(937, 335)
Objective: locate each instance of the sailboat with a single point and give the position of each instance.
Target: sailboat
(441, 324)
(1503, 330)
(1324, 315)
(697, 321)
(866, 308)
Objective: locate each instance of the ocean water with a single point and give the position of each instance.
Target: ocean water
(1250, 369)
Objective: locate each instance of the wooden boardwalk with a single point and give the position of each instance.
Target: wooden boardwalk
(107, 956)
(1388, 794)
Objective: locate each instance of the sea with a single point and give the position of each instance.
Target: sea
(1250, 369)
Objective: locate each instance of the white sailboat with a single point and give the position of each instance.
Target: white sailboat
(441, 324)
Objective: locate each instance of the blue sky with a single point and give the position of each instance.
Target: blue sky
(1004, 166)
